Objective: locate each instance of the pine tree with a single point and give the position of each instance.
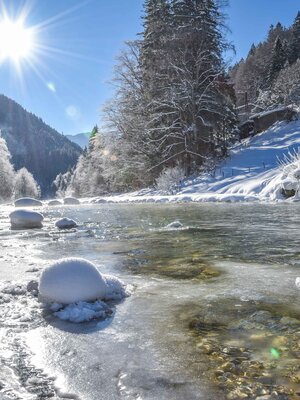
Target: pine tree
(279, 57)
(154, 43)
(294, 48)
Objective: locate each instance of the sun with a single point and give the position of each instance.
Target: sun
(17, 42)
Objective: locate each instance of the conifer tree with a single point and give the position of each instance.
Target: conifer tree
(279, 58)
(294, 48)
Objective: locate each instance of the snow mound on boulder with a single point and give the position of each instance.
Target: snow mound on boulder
(115, 288)
(174, 224)
(71, 201)
(288, 184)
(65, 223)
(28, 202)
(24, 219)
(298, 282)
(55, 203)
(71, 280)
(296, 173)
(82, 311)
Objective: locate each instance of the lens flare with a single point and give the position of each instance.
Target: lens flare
(16, 41)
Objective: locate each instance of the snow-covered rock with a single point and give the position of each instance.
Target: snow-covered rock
(174, 224)
(65, 223)
(297, 174)
(54, 203)
(28, 202)
(24, 219)
(288, 184)
(71, 201)
(71, 280)
(297, 282)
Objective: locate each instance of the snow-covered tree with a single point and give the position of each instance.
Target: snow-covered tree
(87, 179)
(170, 178)
(7, 173)
(25, 185)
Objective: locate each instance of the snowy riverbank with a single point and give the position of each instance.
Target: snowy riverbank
(250, 173)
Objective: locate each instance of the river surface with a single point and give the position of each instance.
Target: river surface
(213, 312)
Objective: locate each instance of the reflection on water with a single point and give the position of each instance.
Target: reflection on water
(214, 313)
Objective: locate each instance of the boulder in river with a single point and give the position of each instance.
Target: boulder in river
(71, 201)
(24, 219)
(65, 223)
(28, 202)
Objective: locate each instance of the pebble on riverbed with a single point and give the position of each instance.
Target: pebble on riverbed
(250, 348)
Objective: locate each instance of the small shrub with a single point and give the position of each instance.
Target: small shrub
(169, 179)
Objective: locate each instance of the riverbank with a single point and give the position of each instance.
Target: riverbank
(252, 172)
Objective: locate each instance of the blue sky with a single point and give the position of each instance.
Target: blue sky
(68, 81)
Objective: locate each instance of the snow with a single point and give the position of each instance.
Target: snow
(297, 173)
(82, 311)
(71, 280)
(65, 223)
(55, 203)
(250, 173)
(115, 288)
(28, 202)
(71, 201)
(288, 184)
(76, 291)
(23, 219)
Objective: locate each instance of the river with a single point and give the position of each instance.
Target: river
(213, 312)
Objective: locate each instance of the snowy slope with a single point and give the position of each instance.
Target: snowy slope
(251, 172)
(252, 168)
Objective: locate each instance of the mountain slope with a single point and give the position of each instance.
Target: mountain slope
(81, 139)
(35, 145)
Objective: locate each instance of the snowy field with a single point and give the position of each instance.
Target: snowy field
(250, 173)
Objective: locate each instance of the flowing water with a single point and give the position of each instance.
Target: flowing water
(213, 313)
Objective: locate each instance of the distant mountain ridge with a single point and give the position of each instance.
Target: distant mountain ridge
(82, 139)
(35, 145)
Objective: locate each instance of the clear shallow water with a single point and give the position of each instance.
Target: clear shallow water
(148, 350)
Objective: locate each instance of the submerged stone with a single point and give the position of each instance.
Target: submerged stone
(252, 348)
(174, 268)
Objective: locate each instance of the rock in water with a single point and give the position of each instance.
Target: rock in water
(65, 223)
(55, 203)
(71, 280)
(28, 202)
(175, 224)
(71, 201)
(24, 219)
